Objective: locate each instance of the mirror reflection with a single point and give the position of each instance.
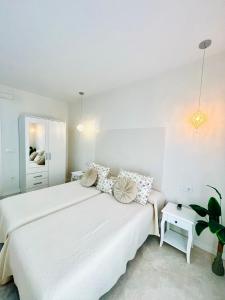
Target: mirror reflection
(36, 144)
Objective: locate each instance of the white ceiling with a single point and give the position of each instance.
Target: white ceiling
(56, 48)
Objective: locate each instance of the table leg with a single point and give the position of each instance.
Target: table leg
(189, 245)
(162, 231)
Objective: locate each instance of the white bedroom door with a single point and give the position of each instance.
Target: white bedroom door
(57, 152)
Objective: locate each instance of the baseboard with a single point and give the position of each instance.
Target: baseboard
(207, 248)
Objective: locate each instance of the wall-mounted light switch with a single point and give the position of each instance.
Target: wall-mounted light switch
(186, 188)
(189, 189)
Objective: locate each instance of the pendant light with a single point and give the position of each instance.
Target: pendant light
(199, 117)
(80, 126)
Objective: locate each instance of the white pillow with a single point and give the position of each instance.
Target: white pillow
(144, 185)
(105, 184)
(102, 170)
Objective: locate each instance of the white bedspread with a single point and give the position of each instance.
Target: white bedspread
(78, 252)
(18, 210)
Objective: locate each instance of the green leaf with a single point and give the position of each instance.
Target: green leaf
(221, 236)
(219, 194)
(201, 211)
(215, 226)
(200, 226)
(214, 208)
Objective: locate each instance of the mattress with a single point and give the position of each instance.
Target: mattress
(16, 211)
(78, 252)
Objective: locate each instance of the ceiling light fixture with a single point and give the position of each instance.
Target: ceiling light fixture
(199, 117)
(80, 126)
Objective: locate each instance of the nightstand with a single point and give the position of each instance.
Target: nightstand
(184, 219)
(76, 175)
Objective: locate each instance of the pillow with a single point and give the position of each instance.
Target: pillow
(37, 157)
(31, 150)
(102, 171)
(125, 190)
(144, 185)
(105, 184)
(33, 155)
(89, 178)
(40, 159)
(40, 152)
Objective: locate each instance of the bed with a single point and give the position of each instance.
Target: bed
(20, 209)
(80, 251)
(71, 251)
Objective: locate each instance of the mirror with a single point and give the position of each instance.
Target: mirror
(36, 151)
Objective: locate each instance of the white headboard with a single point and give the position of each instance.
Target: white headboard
(139, 150)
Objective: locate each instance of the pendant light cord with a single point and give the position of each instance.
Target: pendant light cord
(81, 106)
(200, 93)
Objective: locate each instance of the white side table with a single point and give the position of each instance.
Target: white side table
(185, 219)
(76, 175)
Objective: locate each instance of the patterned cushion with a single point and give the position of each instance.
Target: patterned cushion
(105, 184)
(89, 178)
(144, 185)
(102, 171)
(125, 190)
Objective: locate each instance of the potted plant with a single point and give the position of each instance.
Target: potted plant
(213, 220)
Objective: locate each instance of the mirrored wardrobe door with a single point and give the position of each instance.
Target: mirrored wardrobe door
(36, 130)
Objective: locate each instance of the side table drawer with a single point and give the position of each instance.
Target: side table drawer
(178, 222)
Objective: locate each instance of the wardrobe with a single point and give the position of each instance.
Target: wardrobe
(42, 152)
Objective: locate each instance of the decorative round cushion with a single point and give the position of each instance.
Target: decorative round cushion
(40, 154)
(40, 160)
(33, 155)
(89, 178)
(125, 190)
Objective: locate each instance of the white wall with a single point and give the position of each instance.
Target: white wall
(192, 159)
(14, 102)
(1, 169)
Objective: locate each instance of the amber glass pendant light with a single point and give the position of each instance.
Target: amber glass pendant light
(199, 117)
